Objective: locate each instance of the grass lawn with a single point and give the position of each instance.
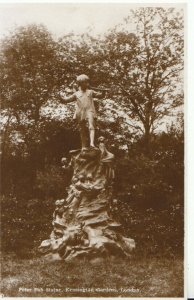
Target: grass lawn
(138, 277)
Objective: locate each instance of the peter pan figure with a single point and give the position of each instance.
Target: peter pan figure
(85, 112)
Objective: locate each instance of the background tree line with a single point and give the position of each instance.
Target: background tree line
(144, 73)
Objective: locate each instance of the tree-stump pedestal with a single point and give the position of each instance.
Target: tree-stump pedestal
(82, 223)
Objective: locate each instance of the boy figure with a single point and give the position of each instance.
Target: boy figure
(85, 109)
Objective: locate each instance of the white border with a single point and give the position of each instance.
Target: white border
(189, 157)
(189, 131)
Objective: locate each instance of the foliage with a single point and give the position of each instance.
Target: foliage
(27, 70)
(147, 65)
(142, 70)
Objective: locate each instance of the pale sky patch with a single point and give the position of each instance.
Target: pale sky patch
(63, 18)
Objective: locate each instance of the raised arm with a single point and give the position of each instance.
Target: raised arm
(98, 95)
(67, 99)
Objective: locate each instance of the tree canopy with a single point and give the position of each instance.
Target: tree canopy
(143, 70)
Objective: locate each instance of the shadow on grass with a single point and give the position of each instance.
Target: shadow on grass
(136, 277)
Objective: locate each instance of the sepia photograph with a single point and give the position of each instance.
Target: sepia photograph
(92, 149)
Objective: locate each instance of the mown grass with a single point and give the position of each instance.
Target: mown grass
(151, 277)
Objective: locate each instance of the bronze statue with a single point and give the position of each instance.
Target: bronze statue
(85, 113)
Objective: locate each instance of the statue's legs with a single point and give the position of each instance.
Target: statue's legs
(91, 125)
(92, 136)
(84, 134)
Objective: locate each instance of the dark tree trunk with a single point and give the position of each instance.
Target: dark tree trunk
(147, 139)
